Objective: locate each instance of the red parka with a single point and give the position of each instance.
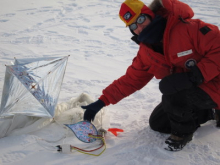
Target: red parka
(186, 42)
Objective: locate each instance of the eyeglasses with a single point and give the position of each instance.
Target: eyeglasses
(140, 20)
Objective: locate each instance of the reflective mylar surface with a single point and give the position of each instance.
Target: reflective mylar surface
(32, 86)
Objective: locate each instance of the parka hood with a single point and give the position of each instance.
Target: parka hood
(171, 7)
(172, 10)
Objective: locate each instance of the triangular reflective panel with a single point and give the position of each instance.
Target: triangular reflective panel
(32, 87)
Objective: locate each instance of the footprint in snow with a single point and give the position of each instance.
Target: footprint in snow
(4, 20)
(12, 157)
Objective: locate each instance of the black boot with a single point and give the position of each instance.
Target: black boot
(175, 143)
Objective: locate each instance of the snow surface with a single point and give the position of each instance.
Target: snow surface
(100, 50)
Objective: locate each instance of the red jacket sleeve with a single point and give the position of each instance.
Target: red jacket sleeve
(135, 78)
(208, 45)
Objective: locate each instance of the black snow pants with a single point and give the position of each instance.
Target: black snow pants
(183, 112)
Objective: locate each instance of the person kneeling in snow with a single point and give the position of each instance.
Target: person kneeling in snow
(184, 53)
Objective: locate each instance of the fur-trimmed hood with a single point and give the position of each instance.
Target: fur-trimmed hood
(173, 10)
(171, 7)
(155, 5)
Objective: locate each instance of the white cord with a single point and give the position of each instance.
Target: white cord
(9, 126)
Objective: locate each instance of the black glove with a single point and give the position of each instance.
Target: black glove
(92, 109)
(180, 81)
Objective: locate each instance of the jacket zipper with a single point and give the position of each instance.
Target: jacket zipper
(167, 31)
